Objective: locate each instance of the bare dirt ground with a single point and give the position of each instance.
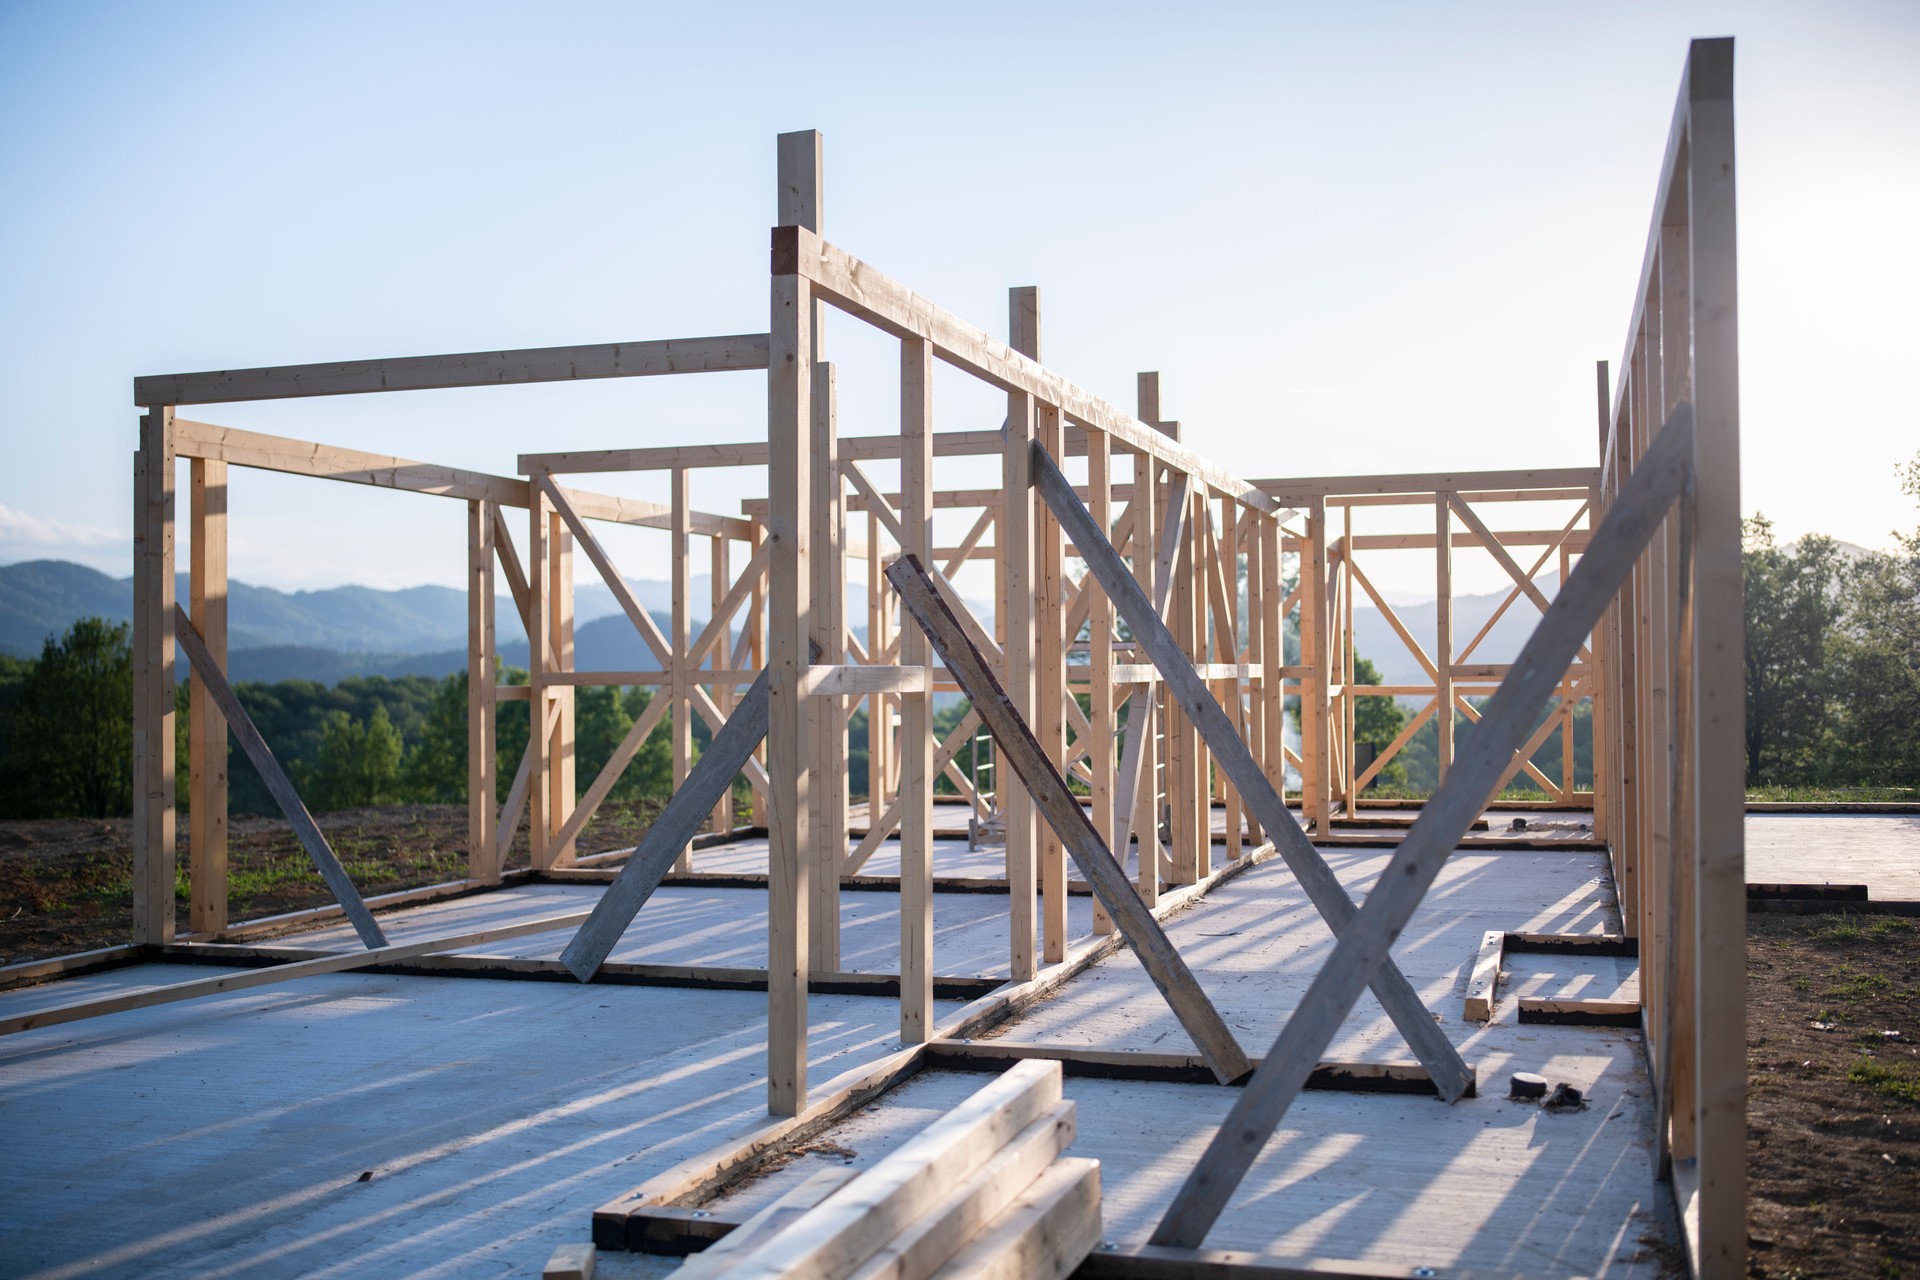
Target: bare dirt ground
(66, 884)
(1833, 1101)
(1833, 1114)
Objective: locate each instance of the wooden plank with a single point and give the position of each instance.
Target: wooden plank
(852, 1225)
(769, 1222)
(1141, 712)
(1100, 659)
(855, 287)
(657, 851)
(1020, 567)
(154, 847)
(1063, 812)
(827, 832)
(277, 783)
(1396, 995)
(1166, 1067)
(1362, 946)
(207, 729)
(510, 567)
(742, 351)
(1483, 986)
(976, 1201)
(916, 706)
(1046, 1232)
(752, 453)
(483, 524)
(1297, 492)
(570, 1262)
(339, 962)
(1714, 660)
(842, 681)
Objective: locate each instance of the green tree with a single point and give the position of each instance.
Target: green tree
(1793, 610)
(358, 762)
(436, 765)
(1877, 662)
(1377, 721)
(71, 741)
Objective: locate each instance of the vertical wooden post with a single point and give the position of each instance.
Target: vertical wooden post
(1185, 808)
(1051, 691)
(1716, 662)
(829, 713)
(1443, 629)
(1148, 496)
(878, 710)
(719, 578)
(916, 709)
(1272, 658)
(153, 762)
(1023, 305)
(560, 654)
(1600, 688)
(206, 727)
(790, 622)
(756, 626)
(483, 859)
(1100, 662)
(679, 679)
(1315, 707)
(540, 692)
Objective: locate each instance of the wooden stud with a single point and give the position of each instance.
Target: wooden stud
(153, 684)
(1100, 658)
(789, 736)
(206, 727)
(1443, 628)
(483, 862)
(916, 709)
(1018, 639)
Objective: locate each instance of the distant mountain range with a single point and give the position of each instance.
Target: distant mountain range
(332, 634)
(339, 632)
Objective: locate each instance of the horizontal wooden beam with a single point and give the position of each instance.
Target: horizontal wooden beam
(749, 453)
(1294, 491)
(853, 286)
(738, 351)
(825, 681)
(289, 456)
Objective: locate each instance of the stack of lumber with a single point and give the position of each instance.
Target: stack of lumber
(983, 1192)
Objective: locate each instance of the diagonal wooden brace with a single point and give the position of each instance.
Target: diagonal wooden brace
(281, 787)
(710, 778)
(1069, 821)
(1361, 952)
(1451, 1076)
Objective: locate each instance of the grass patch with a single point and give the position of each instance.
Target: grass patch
(1898, 1080)
(1852, 984)
(1833, 795)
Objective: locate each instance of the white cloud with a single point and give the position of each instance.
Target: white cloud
(25, 536)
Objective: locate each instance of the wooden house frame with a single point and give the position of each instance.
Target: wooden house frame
(1660, 668)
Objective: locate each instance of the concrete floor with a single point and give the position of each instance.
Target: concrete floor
(229, 1135)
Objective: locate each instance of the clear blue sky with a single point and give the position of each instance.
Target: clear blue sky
(1373, 238)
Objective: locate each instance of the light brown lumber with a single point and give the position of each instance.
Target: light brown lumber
(482, 702)
(743, 351)
(154, 848)
(510, 567)
(827, 832)
(277, 782)
(1135, 757)
(1361, 949)
(280, 973)
(916, 706)
(1100, 730)
(678, 697)
(609, 776)
(570, 1262)
(768, 1222)
(1046, 1232)
(850, 1226)
(821, 681)
(1298, 492)
(969, 1207)
(855, 287)
(1714, 658)
(1018, 749)
(1020, 567)
(1396, 995)
(206, 728)
(1483, 986)
(789, 528)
